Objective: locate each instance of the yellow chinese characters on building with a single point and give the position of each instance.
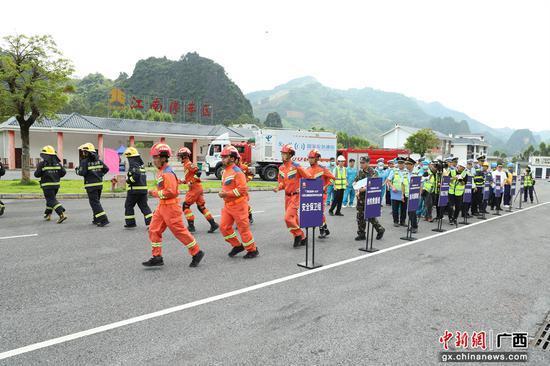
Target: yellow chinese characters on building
(117, 99)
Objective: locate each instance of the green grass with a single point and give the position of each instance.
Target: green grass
(77, 186)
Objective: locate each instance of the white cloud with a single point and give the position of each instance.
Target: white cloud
(489, 59)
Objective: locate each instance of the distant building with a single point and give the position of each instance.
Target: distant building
(68, 131)
(398, 135)
(540, 166)
(464, 146)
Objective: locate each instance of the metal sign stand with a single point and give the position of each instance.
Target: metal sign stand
(482, 217)
(409, 236)
(368, 242)
(465, 221)
(310, 264)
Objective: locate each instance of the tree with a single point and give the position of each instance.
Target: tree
(353, 142)
(273, 120)
(34, 82)
(422, 141)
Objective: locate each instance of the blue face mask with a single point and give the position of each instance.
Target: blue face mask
(332, 163)
(380, 165)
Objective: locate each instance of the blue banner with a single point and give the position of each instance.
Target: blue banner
(310, 210)
(373, 199)
(468, 190)
(486, 191)
(498, 186)
(444, 192)
(414, 194)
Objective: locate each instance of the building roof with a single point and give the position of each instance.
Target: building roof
(412, 130)
(74, 122)
(467, 141)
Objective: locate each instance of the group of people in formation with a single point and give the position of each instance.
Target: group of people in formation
(338, 191)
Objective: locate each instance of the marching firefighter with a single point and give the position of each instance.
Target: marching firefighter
(50, 171)
(318, 171)
(365, 171)
(249, 176)
(195, 194)
(289, 180)
(2, 172)
(235, 195)
(136, 191)
(93, 170)
(168, 212)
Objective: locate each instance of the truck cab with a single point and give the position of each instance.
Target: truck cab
(213, 160)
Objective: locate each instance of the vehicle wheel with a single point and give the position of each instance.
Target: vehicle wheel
(270, 173)
(219, 172)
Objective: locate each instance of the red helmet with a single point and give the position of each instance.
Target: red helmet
(161, 149)
(288, 149)
(232, 151)
(314, 154)
(184, 152)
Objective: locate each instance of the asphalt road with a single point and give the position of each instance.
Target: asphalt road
(387, 308)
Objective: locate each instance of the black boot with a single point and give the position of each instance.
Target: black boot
(303, 242)
(129, 226)
(327, 232)
(2, 210)
(360, 236)
(297, 241)
(191, 226)
(213, 226)
(250, 218)
(235, 251)
(252, 254)
(380, 233)
(322, 233)
(103, 223)
(154, 261)
(196, 259)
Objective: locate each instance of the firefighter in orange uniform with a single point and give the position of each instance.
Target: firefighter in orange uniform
(249, 176)
(318, 171)
(168, 212)
(191, 177)
(289, 180)
(235, 195)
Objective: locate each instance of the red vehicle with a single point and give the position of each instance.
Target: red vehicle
(373, 153)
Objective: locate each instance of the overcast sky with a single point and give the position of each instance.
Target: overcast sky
(489, 59)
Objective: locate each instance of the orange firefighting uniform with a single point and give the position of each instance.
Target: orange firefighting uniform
(318, 171)
(249, 176)
(289, 180)
(236, 209)
(194, 194)
(168, 214)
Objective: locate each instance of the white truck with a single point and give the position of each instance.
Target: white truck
(263, 151)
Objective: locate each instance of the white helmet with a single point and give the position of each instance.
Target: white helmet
(341, 158)
(462, 163)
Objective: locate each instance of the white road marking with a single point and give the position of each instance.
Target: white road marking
(156, 314)
(252, 212)
(17, 236)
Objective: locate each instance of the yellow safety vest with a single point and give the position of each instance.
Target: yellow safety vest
(340, 181)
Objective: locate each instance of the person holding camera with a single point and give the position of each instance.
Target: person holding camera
(397, 180)
(456, 192)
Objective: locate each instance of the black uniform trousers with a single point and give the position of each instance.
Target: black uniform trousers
(477, 200)
(399, 211)
(2, 208)
(52, 204)
(133, 199)
(456, 207)
(528, 190)
(337, 200)
(94, 197)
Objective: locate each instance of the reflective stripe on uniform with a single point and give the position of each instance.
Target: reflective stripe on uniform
(95, 167)
(51, 168)
(191, 245)
(188, 215)
(130, 217)
(156, 245)
(230, 236)
(293, 228)
(237, 193)
(56, 206)
(93, 184)
(149, 215)
(161, 195)
(134, 188)
(102, 213)
(248, 243)
(49, 208)
(49, 184)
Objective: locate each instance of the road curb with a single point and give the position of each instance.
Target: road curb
(26, 196)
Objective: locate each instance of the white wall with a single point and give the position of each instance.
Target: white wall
(396, 139)
(460, 151)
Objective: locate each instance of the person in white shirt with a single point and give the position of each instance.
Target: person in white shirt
(502, 177)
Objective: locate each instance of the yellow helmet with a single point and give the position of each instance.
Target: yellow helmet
(87, 147)
(48, 150)
(131, 152)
